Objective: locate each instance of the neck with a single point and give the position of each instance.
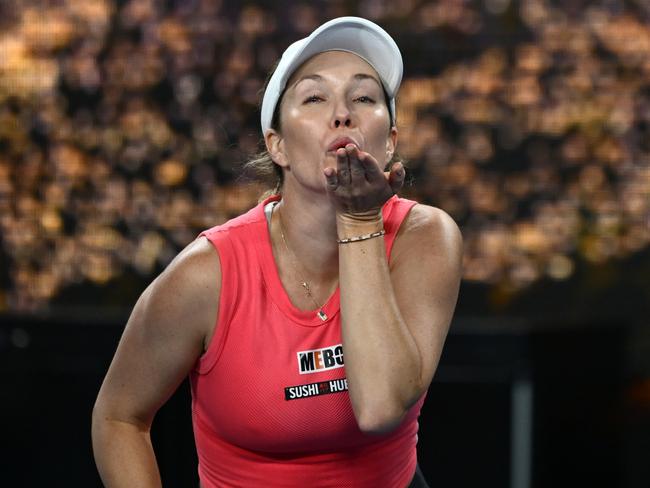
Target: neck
(309, 226)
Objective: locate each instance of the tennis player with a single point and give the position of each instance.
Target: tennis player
(310, 326)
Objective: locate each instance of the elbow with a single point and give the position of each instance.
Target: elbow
(385, 416)
(96, 417)
(100, 413)
(380, 421)
(106, 419)
(99, 424)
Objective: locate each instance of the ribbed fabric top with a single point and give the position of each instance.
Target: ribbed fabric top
(270, 405)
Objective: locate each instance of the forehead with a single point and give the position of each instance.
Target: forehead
(334, 63)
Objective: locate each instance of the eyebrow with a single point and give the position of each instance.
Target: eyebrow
(358, 77)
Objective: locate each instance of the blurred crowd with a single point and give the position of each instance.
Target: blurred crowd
(124, 126)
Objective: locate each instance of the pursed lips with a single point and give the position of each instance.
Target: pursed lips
(341, 142)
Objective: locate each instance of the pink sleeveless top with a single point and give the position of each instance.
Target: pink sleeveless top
(270, 405)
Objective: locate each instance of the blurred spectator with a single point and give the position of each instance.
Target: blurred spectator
(123, 127)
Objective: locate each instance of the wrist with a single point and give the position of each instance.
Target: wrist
(348, 225)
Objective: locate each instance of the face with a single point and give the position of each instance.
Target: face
(332, 96)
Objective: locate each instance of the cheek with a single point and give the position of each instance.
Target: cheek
(299, 131)
(380, 112)
(299, 123)
(292, 114)
(380, 131)
(379, 118)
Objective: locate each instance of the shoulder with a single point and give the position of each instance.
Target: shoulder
(194, 266)
(238, 224)
(188, 289)
(430, 223)
(428, 229)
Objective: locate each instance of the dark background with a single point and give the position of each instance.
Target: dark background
(123, 129)
(589, 423)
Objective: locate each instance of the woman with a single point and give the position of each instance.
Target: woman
(312, 325)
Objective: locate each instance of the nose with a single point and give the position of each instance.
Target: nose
(341, 116)
(342, 121)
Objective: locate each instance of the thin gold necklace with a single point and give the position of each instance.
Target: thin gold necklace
(321, 313)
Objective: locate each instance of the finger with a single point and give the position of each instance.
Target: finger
(371, 168)
(357, 171)
(342, 167)
(396, 177)
(331, 179)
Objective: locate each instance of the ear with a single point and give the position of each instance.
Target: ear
(275, 147)
(391, 143)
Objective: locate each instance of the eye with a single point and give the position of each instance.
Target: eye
(313, 99)
(364, 99)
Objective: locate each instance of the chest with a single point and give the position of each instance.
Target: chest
(279, 386)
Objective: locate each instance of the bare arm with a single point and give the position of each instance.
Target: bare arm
(395, 320)
(166, 333)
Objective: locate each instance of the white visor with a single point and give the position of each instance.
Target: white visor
(352, 34)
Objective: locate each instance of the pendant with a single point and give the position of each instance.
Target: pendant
(322, 315)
